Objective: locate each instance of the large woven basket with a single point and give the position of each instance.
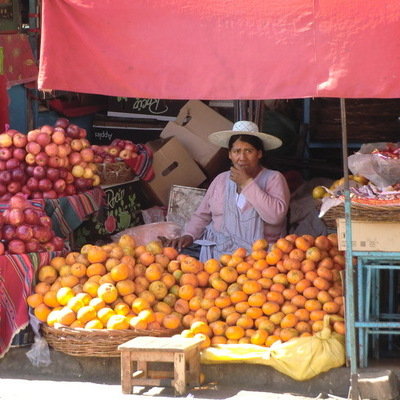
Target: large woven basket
(95, 342)
(360, 212)
(114, 173)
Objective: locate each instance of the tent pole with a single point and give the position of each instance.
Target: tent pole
(349, 281)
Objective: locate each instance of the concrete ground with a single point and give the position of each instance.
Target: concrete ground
(72, 377)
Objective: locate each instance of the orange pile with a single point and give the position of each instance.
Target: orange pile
(256, 298)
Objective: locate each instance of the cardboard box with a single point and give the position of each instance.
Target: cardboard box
(157, 109)
(172, 165)
(370, 236)
(123, 211)
(195, 122)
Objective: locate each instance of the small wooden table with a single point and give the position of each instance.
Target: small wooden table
(182, 352)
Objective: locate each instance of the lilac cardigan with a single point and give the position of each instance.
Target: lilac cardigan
(271, 203)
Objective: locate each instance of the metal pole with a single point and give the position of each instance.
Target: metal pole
(351, 344)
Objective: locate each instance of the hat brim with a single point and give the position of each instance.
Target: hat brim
(222, 138)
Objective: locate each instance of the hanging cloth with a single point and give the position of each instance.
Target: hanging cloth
(240, 228)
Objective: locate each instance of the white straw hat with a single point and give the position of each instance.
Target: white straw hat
(245, 128)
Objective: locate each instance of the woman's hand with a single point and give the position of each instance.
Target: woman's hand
(178, 243)
(240, 177)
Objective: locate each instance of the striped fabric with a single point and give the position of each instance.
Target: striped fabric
(142, 164)
(17, 277)
(67, 213)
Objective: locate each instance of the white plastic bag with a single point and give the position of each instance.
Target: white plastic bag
(39, 354)
(382, 172)
(144, 234)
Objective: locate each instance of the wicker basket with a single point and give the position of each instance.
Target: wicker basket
(112, 173)
(95, 342)
(360, 212)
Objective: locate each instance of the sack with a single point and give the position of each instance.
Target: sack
(382, 172)
(301, 359)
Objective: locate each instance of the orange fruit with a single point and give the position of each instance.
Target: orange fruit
(171, 321)
(260, 244)
(104, 314)
(234, 332)
(158, 289)
(86, 314)
(50, 299)
(125, 287)
(96, 254)
(41, 312)
(48, 274)
(270, 307)
(120, 272)
(64, 295)
(66, 316)
(118, 322)
(34, 299)
(107, 292)
(251, 286)
(259, 337)
(96, 269)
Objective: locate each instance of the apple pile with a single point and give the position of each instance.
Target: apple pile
(118, 150)
(25, 228)
(49, 162)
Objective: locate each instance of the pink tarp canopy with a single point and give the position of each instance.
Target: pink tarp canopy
(222, 49)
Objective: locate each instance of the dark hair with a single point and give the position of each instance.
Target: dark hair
(251, 139)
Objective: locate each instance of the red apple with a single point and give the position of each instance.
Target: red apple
(43, 139)
(85, 144)
(32, 184)
(64, 150)
(20, 140)
(51, 149)
(47, 129)
(76, 145)
(74, 158)
(6, 140)
(32, 135)
(125, 154)
(18, 175)
(14, 187)
(5, 153)
(59, 185)
(54, 162)
(13, 163)
(73, 131)
(19, 153)
(30, 159)
(87, 154)
(62, 122)
(53, 174)
(50, 194)
(45, 184)
(131, 146)
(70, 189)
(37, 195)
(114, 150)
(42, 159)
(58, 136)
(33, 148)
(5, 177)
(39, 172)
(3, 189)
(82, 133)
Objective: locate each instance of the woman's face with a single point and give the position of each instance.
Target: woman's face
(245, 156)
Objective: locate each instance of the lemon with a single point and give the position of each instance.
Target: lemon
(318, 192)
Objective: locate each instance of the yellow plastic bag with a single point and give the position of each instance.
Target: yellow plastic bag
(301, 359)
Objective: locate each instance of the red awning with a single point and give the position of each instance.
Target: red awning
(220, 49)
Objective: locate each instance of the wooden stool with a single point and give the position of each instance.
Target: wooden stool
(145, 349)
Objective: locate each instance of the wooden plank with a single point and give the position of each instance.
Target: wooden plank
(159, 344)
(152, 356)
(180, 374)
(152, 382)
(126, 373)
(137, 374)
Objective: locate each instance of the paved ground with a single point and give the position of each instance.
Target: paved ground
(21, 389)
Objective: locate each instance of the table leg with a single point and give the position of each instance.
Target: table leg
(179, 374)
(126, 372)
